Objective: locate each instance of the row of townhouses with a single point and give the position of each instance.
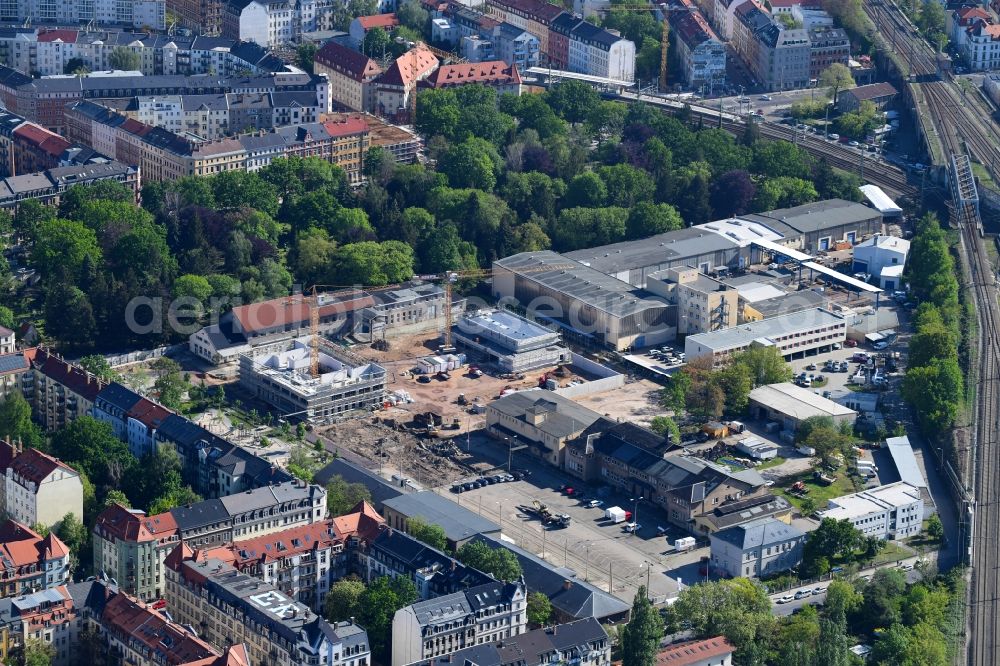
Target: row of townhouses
(477, 37)
(125, 627)
(163, 155)
(43, 101)
(47, 51)
(777, 56)
(146, 14)
(134, 546)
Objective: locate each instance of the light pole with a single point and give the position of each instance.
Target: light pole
(635, 513)
(501, 517)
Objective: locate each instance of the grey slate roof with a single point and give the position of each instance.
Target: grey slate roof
(563, 416)
(759, 534)
(458, 522)
(200, 514)
(119, 396)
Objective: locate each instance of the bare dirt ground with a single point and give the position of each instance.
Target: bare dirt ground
(637, 402)
(426, 461)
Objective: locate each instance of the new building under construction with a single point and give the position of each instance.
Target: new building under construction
(285, 381)
(511, 342)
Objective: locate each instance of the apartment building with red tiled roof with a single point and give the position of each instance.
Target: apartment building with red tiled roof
(30, 562)
(494, 74)
(395, 89)
(36, 148)
(131, 547)
(351, 75)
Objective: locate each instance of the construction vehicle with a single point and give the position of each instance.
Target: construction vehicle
(542, 512)
(824, 479)
(798, 488)
(462, 400)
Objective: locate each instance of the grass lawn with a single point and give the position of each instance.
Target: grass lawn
(817, 491)
(893, 551)
(768, 464)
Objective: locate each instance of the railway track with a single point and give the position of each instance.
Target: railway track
(964, 130)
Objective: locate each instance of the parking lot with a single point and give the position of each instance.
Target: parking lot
(593, 547)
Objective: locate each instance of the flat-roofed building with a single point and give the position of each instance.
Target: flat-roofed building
(587, 304)
(791, 335)
(703, 303)
(893, 511)
(790, 405)
(511, 342)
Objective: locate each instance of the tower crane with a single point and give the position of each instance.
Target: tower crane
(652, 8)
(446, 279)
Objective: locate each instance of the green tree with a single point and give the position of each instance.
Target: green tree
(776, 159)
(667, 427)
(500, 563)
(832, 539)
(539, 610)
(75, 66)
(312, 256)
(836, 78)
(935, 528)
(472, 163)
(91, 445)
(674, 396)
(236, 189)
(784, 192)
(739, 609)
(376, 43)
(648, 219)
(641, 637)
(932, 21)
(115, 496)
(626, 185)
(736, 382)
(371, 263)
(343, 601)
(432, 535)
(37, 652)
(935, 393)
(798, 636)
(832, 647)
(192, 286)
(99, 366)
(411, 14)
(7, 319)
(695, 203)
(587, 190)
(69, 316)
(342, 496)
(124, 58)
(438, 113)
(169, 384)
(573, 101)
(64, 245)
(30, 216)
(589, 227)
(764, 365)
(378, 604)
(305, 53)
(16, 423)
(75, 535)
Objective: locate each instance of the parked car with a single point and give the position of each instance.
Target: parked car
(802, 594)
(819, 589)
(784, 599)
(632, 528)
(593, 504)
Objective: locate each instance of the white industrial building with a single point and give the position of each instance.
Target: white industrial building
(880, 201)
(509, 341)
(793, 335)
(905, 461)
(790, 405)
(893, 511)
(884, 257)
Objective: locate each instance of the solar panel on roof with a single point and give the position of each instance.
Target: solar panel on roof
(11, 362)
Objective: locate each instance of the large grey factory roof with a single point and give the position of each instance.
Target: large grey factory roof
(906, 463)
(659, 249)
(818, 215)
(744, 334)
(583, 283)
